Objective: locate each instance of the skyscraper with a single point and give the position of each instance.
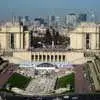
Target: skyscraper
(71, 19)
(82, 17)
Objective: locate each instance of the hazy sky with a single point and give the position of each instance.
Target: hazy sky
(44, 7)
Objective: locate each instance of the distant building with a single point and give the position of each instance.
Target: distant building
(71, 19)
(40, 20)
(57, 20)
(26, 20)
(82, 17)
(60, 21)
(63, 21)
(51, 20)
(46, 20)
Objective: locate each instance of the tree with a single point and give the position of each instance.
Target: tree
(48, 37)
(31, 38)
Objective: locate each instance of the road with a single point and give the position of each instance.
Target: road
(81, 84)
(7, 74)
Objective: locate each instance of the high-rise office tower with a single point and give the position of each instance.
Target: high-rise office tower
(82, 17)
(71, 19)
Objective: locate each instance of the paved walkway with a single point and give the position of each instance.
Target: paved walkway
(81, 84)
(7, 74)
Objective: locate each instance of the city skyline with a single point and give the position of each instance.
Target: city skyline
(45, 7)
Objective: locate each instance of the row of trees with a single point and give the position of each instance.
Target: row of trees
(50, 36)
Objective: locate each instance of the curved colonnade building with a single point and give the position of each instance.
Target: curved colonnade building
(85, 38)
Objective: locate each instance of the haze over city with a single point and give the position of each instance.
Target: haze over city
(36, 8)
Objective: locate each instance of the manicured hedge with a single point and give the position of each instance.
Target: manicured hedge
(18, 81)
(65, 80)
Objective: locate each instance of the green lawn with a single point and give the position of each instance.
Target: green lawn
(18, 81)
(65, 80)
